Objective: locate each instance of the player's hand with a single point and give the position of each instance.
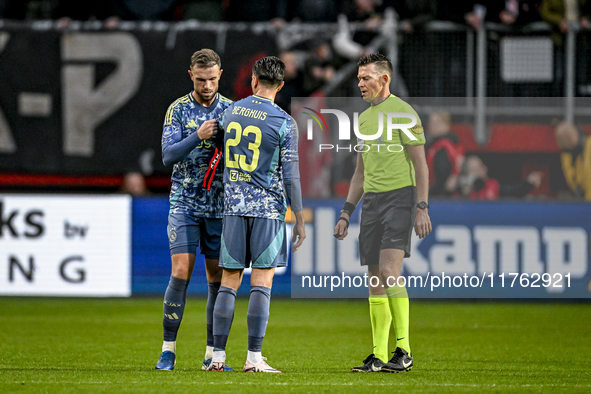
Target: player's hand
(298, 235)
(342, 228)
(422, 223)
(207, 129)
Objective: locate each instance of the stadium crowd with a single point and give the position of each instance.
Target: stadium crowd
(312, 63)
(316, 58)
(414, 13)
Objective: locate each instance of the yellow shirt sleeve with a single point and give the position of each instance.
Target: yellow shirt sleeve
(416, 131)
(568, 170)
(586, 178)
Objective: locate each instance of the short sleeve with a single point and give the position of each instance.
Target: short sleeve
(172, 129)
(416, 131)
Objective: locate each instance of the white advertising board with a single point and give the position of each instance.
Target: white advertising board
(65, 245)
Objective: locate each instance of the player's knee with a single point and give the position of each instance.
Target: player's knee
(214, 271)
(262, 277)
(215, 277)
(388, 271)
(181, 272)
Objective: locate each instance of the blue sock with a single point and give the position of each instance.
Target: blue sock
(223, 314)
(174, 306)
(211, 297)
(258, 316)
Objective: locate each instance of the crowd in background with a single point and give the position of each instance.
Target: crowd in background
(311, 64)
(412, 13)
(317, 59)
(453, 174)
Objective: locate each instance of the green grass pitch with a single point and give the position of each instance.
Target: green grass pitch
(111, 346)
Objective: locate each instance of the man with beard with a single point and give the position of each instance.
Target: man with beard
(196, 196)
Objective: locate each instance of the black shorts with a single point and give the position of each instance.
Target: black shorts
(387, 221)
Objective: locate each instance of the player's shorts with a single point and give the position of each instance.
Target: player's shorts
(185, 232)
(387, 221)
(260, 241)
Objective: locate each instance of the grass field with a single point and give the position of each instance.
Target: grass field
(112, 345)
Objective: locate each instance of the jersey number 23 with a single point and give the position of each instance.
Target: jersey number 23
(235, 160)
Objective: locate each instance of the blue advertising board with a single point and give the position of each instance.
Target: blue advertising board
(476, 250)
(151, 263)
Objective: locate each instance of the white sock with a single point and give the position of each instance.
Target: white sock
(254, 357)
(208, 352)
(219, 356)
(169, 346)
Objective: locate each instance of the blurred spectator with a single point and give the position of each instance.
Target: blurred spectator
(319, 68)
(444, 155)
(362, 11)
(515, 12)
(475, 183)
(134, 184)
(294, 81)
(468, 12)
(413, 14)
(353, 46)
(575, 158)
(563, 15)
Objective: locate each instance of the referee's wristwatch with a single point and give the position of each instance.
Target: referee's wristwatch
(423, 205)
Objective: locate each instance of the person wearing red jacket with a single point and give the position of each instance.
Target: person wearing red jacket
(444, 155)
(475, 183)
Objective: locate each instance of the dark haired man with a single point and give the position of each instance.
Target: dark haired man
(196, 196)
(260, 156)
(390, 182)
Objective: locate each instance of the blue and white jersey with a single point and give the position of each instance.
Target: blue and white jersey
(187, 193)
(260, 142)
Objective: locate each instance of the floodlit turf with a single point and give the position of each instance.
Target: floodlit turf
(112, 345)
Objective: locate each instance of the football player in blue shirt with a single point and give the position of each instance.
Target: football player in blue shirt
(196, 195)
(261, 157)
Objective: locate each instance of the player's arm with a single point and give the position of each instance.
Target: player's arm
(174, 147)
(422, 221)
(291, 180)
(353, 198)
(415, 143)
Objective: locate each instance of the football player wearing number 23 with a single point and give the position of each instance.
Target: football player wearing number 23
(260, 158)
